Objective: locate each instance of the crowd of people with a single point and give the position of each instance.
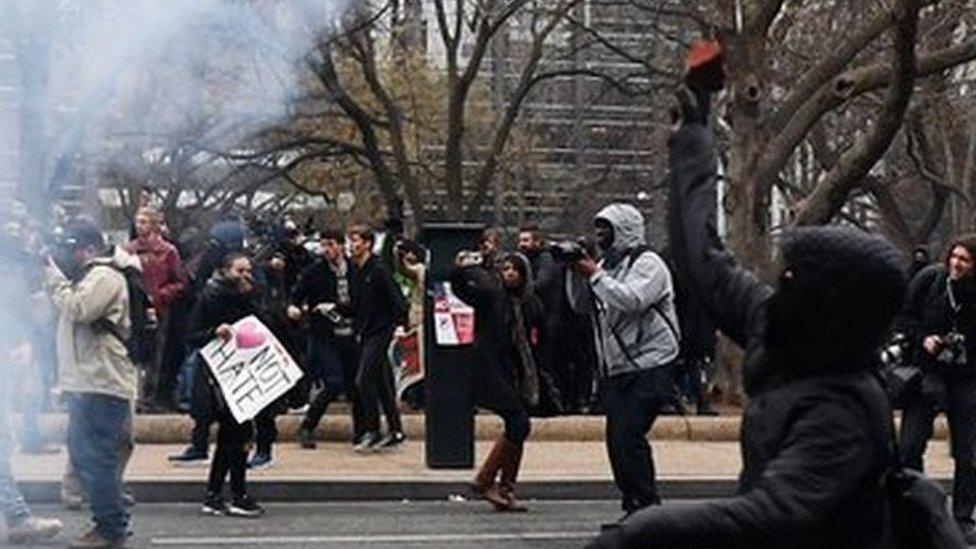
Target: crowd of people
(602, 323)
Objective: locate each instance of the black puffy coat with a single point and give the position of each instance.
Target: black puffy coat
(928, 312)
(816, 435)
(496, 375)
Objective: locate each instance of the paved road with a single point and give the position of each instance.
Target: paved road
(549, 524)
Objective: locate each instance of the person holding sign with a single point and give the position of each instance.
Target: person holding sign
(229, 296)
(508, 333)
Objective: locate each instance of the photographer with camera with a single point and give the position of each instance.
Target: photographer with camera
(323, 295)
(940, 321)
(630, 299)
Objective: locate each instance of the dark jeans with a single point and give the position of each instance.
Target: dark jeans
(375, 382)
(632, 402)
(517, 425)
(916, 430)
(201, 405)
(172, 356)
(333, 362)
(265, 429)
(230, 456)
(96, 431)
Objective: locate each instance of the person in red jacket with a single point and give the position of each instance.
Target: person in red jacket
(164, 279)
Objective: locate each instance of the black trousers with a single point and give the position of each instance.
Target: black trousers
(374, 380)
(334, 362)
(265, 429)
(201, 407)
(632, 402)
(230, 456)
(916, 430)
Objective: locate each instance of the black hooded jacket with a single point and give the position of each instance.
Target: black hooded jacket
(494, 343)
(221, 302)
(378, 302)
(928, 312)
(816, 436)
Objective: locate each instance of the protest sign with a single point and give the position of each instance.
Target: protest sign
(252, 368)
(453, 318)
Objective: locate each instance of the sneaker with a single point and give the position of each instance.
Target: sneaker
(92, 540)
(189, 456)
(244, 506)
(306, 438)
(214, 505)
(368, 443)
(34, 530)
(72, 502)
(613, 525)
(392, 440)
(259, 461)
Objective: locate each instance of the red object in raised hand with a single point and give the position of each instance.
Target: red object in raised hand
(703, 65)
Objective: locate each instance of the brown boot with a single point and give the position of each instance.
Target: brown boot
(511, 463)
(484, 482)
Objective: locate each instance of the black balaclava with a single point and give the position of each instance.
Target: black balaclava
(838, 293)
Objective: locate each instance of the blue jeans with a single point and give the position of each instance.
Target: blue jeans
(185, 378)
(11, 501)
(96, 431)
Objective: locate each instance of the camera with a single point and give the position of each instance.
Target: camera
(469, 259)
(895, 352)
(953, 351)
(567, 251)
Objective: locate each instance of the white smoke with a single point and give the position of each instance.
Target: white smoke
(124, 73)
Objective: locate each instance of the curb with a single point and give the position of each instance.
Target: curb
(174, 429)
(149, 491)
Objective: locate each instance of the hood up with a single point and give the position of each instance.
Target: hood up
(628, 226)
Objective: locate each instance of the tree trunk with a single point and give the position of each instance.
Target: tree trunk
(746, 204)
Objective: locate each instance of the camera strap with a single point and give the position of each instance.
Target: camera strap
(953, 304)
(632, 258)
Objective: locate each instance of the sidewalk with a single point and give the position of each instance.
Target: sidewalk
(335, 427)
(551, 470)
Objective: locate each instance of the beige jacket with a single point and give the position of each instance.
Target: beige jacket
(90, 360)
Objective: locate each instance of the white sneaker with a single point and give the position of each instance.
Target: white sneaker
(34, 529)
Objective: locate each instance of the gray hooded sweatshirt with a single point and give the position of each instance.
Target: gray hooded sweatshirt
(628, 302)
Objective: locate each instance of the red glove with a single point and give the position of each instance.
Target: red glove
(703, 65)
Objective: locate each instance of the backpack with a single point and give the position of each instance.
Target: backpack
(917, 516)
(137, 343)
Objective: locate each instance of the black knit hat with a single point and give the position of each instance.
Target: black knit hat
(842, 293)
(81, 233)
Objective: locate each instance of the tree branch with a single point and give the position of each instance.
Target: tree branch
(841, 89)
(831, 193)
(828, 67)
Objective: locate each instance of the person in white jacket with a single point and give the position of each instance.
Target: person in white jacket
(96, 375)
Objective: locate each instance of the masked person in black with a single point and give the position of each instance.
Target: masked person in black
(508, 335)
(324, 295)
(816, 436)
(229, 296)
(940, 320)
(379, 306)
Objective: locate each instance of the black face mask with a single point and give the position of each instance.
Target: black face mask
(604, 235)
(64, 258)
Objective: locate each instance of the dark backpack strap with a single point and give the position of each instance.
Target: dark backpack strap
(631, 259)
